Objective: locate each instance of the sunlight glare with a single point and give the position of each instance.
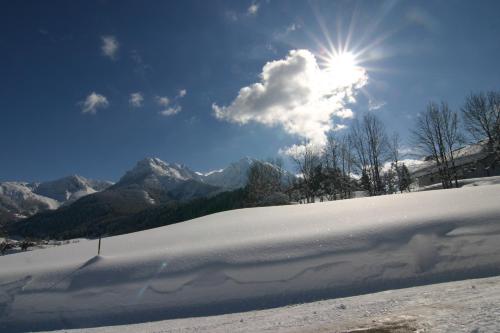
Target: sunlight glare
(344, 67)
(340, 61)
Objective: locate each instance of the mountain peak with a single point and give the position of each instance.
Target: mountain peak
(155, 168)
(246, 161)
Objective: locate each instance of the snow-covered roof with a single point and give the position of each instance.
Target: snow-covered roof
(463, 155)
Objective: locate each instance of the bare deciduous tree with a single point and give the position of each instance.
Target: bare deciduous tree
(307, 160)
(436, 134)
(370, 145)
(337, 156)
(481, 117)
(377, 144)
(264, 181)
(394, 148)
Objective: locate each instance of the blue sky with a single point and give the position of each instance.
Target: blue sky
(68, 70)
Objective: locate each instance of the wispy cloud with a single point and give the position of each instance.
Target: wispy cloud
(292, 27)
(284, 32)
(109, 46)
(162, 100)
(297, 95)
(93, 102)
(171, 106)
(136, 99)
(253, 9)
(375, 105)
(171, 111)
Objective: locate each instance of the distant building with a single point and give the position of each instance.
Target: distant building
(472, 161)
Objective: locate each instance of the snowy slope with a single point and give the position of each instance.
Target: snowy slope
(255, 258)
(454, 307)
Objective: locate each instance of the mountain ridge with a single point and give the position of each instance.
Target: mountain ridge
(19, 199)
(150, 182)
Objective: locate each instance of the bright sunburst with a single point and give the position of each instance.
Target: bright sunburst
(345, 60)
(343, 67)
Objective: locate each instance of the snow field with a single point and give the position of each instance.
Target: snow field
(255, 258)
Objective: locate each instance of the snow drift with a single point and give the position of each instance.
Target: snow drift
(255, 258)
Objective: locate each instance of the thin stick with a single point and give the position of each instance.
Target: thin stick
(99, 246)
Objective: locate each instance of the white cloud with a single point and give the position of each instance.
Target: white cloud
(299, 150)
(375, 105)
(298, 95)
(171, 111)
(253, 9)
(109, 46)
(93, 102)
(162, 100)
(173, 107)
(283, 33)
(136, 99)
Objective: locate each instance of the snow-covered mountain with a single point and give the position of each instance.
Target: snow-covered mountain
(162, 181)
(69, 189)
(155, 171)
(19, 199)
(149, 183)
(232, 177)
(235, 175)
(22, 199)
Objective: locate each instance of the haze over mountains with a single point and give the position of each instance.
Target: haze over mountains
(150, 182)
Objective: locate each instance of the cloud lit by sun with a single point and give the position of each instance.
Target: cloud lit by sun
(299, 94)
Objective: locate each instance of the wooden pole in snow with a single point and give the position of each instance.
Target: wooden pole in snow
(99, 246)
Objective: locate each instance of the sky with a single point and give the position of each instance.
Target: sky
(91, 87)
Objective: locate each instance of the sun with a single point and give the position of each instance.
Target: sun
(342, 61)
(343, 67)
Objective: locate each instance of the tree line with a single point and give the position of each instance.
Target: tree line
(366, 158)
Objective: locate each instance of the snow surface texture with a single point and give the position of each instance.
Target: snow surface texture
(469, 306)
(255, 258)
